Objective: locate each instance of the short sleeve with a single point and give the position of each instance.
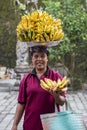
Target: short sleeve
(22, 90)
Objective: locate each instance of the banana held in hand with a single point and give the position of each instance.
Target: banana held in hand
(64, 89)
(61, 85)
(58, 83)
(48, 82)
(44, 85)
(64, 82)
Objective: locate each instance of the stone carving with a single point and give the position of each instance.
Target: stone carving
(22, 54)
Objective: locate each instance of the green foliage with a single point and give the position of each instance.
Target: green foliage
(7, 33)
(52, 7)
(73, 49)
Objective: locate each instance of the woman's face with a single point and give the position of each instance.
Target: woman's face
(39, 60)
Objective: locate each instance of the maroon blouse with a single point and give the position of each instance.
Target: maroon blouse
(37, 101)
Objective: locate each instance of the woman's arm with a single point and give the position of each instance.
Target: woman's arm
(18, 115)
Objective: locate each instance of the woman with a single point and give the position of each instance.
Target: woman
(32, 99)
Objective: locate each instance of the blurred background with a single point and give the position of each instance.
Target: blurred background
(69, 58)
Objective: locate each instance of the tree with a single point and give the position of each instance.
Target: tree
(74, 25)
(7, 33)
(10, 14)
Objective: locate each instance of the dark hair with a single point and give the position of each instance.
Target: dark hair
(39, 49)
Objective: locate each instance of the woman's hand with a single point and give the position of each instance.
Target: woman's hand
(59, 98)
(14, 127)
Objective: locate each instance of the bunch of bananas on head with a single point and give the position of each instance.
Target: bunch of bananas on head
(39, 27)
(59, 85)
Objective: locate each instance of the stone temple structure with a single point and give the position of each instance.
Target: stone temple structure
(22, 61)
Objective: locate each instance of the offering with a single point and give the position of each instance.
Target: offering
(40, 28)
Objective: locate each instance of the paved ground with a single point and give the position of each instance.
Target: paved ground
(8, 100)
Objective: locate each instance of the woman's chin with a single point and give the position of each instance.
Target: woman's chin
(40, 67)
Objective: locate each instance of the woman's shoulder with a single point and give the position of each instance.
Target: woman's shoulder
(25, 76)
(55, 73)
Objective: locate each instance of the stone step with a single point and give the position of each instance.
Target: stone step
(5, 89)
(7, 85)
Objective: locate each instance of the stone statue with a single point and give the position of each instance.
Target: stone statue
(22, 54)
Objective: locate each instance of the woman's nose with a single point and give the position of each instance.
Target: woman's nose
(39, 58)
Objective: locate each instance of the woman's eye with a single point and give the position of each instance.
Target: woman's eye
(39, 56)
(35, 56)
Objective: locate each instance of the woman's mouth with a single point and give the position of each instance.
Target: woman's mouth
(39, 63)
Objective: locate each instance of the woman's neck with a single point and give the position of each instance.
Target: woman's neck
(40, 72)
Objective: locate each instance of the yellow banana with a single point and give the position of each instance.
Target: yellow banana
(58, 83)
(53, 83)
(63, 80)
(46, 37)
(44, 85)
(54, 88)
(58, 22)
(40, 23)
(42, 38)
(51, 36)
(60, 35)
(51, 33)
(64, 89)
(63, 84)
(20, 38)
(55, 32)
(55, 36)
(33, 36)
(48, 82)
(48, 29)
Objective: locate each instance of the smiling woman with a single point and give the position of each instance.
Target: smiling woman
(32, 98)
(39, 30)
(39, 59)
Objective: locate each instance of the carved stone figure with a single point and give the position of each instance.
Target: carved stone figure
(22, 54)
